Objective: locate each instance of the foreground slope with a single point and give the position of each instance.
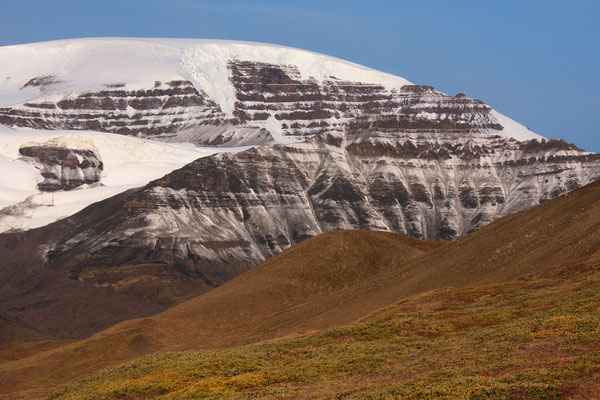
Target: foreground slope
(534, 339)
(557, 240)
(287, 295)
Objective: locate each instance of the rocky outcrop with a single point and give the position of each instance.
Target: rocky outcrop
(268, 99)
(63, 168)
(176, 110)
(164, 108)
(304, 107)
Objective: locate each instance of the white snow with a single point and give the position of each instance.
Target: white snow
(513, 129)
(129, 162)
(18, 180)
(80, 64)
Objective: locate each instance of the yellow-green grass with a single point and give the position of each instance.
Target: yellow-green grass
(531, 339)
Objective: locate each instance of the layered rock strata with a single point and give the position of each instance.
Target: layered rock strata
(231, 211)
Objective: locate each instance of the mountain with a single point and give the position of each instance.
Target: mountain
(422, 163)
(527, 272)
(213, 92)
(348, 148)
(224, 93)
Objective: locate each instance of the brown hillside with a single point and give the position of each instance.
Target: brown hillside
(290, 293)
(46, 300)
(13, 331)
(286, 295)
(337, 278)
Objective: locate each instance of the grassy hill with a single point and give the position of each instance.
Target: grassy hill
(530, 339)
(298, 291)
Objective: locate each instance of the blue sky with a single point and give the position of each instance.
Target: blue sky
(536, 61)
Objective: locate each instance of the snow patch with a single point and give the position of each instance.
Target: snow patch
(513, 129)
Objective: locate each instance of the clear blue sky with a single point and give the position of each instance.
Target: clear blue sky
(538, 61)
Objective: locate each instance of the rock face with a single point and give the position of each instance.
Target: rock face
(176, 110)
(305, 107)
(162, 108)
(63, 168)
(235, 210)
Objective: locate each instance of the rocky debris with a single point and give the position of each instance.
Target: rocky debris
(63, 168)
(42, 82)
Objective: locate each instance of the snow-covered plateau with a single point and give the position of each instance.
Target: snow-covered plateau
(254, 93)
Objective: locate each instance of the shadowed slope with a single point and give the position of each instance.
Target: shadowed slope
(286, 295)
(15, 331)
(45, 299)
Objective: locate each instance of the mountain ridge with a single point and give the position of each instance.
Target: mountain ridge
(48, 84)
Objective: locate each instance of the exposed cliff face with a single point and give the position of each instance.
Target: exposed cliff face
(239, 209)
(63, 168)
(268, 97)
(303, 107)
(161, 108)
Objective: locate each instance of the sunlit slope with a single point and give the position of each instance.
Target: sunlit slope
(536, 339)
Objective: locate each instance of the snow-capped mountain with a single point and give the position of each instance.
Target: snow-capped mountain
(341, 146)
(420, 145)
(213, 92)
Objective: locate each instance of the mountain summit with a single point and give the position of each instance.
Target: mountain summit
(183, 89)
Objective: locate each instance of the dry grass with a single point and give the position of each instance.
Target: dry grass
(535, 339)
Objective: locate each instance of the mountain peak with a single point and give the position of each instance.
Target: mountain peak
(286, 91)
